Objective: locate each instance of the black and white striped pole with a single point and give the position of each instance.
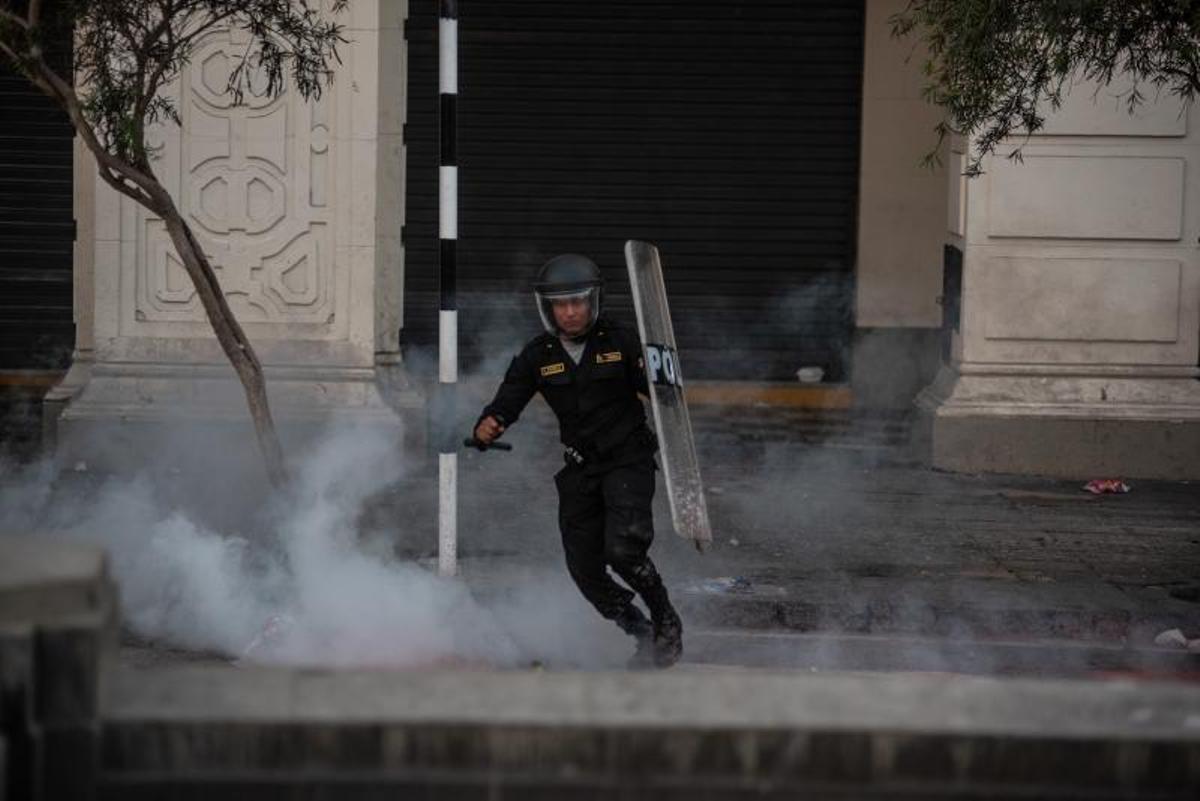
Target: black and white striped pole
(448, 258)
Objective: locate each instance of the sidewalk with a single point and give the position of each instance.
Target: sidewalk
(825, 525)
(849, 559)
(834, 549)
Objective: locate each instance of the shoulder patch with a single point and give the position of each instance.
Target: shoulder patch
(553, 369)
(608, 357)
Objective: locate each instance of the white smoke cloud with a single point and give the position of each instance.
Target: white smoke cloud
(303, 588)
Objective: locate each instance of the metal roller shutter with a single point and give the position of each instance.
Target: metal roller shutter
(727, 133)
(37, 226)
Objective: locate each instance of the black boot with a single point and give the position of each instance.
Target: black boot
(634, 623)
(668, 628)
(668, 634)
(642, 577)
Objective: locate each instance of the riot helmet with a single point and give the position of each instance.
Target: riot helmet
(568, 277)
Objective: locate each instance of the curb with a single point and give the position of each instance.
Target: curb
(932, 620)
(773, 394)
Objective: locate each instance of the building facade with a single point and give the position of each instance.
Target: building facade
(1045, 313)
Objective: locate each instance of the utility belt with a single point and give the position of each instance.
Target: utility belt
(640, 442)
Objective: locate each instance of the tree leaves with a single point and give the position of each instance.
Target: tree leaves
(126, 51)
(995, 65)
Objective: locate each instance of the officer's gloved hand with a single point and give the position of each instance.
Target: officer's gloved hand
(488, 429)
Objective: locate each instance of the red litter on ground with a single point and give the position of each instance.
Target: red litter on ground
(1106, 486)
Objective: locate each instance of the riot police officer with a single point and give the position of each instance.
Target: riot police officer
(589, 370)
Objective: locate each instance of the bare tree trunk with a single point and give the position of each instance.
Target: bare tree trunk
(151, 194)
(139, 183)
(230, 335)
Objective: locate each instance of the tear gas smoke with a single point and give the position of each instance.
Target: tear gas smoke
(298, 585)
(315, 576)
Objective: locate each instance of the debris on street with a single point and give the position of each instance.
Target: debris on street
(1175, 638)
(726, 584)
(274, 630)
(1171, 638)
(1106, 486)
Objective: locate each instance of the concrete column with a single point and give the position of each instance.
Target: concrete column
(299, 207)
(901, 220)
(58, 637)
(1077, 350)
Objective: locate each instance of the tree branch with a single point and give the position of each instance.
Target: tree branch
(214, 19)
(149, 87)
(12, 55)
(117, 182)
(52, 84)
(1191, 78)
(16, 19)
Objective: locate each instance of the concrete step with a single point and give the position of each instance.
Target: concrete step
(959, 608)
(57, 631)
(21, 393)
(825, 651)
(716, 734)
(43, 580)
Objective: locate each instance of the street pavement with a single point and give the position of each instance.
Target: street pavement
(837, 554)
(836, 548)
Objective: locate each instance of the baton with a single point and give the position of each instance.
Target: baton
(479, 444)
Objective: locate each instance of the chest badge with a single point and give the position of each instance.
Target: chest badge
(608, 358)
(553, 369)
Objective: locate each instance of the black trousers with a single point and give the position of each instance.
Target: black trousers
(606, 522)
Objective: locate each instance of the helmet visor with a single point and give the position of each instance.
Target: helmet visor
(577, 310)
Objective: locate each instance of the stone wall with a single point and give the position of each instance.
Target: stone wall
(58, 628)
(299, 206)
(1080, 333)
(901, 223)
(675, 734)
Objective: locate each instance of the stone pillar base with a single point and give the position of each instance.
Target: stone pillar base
(890, 366)
(121, 417)
(1128, 422)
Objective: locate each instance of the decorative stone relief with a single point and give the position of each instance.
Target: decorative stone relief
(255, 185)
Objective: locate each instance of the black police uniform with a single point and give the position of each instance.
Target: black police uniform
(606, 488)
